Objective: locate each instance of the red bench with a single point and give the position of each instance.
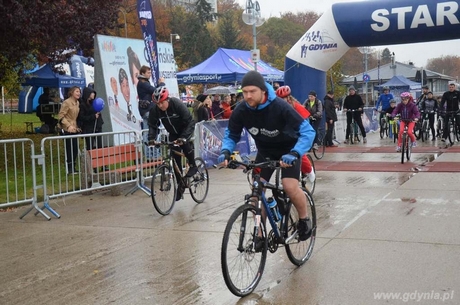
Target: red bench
(120, 160)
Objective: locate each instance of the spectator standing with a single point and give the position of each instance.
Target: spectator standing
(315, 107)
(68, 124)
(204, 112)
(226, 107)
(89, 119)
(215, 108)
(331, 117)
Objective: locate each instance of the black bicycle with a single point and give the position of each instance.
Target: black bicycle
(384, 125)
(320, 147)
(406, 145)
(451, 121)
(164, 186)
(245, 242)
(354, 130)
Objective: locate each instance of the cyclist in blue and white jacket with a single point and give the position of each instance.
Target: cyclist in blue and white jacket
(279, 132)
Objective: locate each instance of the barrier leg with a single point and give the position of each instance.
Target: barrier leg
(49, 208)
(39, 210)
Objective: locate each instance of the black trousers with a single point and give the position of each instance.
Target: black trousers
(71, 151)
(358, 120)
(330, 131)
(187, 149)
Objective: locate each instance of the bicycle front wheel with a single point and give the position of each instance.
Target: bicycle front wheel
(310, 186)
(242, 265)
(383, 129)
(403, 147)
(163, 189)
(319, 153)
(409, 148)
(297, 251)
(352, 133)
(199, 183)
(450, 128)
(425, 131)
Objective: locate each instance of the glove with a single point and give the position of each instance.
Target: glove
(289, 158)
(224, 155)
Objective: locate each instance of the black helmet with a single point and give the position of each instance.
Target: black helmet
(386, 88)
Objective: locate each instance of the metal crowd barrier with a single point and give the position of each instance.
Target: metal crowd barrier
(18, 167)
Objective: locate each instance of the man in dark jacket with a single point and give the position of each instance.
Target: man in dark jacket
(331, 117)
(144, 92)
(177, 120)
(449, 101)
(354, 101)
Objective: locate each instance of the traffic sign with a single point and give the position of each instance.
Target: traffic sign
(366, 78)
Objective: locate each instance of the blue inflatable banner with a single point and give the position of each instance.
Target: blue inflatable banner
(145, 14)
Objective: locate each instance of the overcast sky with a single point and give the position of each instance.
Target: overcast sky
(404, 53)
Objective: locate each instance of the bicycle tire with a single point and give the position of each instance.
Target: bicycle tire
(310, 186)
(199, 183)
(409, 148)
(242, 267)
(417, 129)
(299, 252)
(439, 126)
(403, 147)
(395, 131)
(163, 188)
(457, 132)
(382, 128)
(319, 153)
(450, 132)
(352, 133)
(425, 130)
(386, 128)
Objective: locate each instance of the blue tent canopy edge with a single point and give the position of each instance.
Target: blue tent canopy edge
(227, 66)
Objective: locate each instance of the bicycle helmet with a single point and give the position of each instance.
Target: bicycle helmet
(386, 88)
(405, 95)
(283, 91)
(160, 94)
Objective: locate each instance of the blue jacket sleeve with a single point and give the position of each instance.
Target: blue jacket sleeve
(230, 140)
(305, 141)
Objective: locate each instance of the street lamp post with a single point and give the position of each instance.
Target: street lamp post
(175, 36)
(365, 51)
(252, 16)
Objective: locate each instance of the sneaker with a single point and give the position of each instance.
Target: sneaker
(414, 144)
(304, 229)
(191, 171)
(259, 244)
(364, 140)
(310, 176)
(345, 142)
(398, 149)
(356, 139)
(443, 140)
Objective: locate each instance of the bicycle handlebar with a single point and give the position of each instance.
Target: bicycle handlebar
(234, 164)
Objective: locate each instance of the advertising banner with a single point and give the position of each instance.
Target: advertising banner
(117, 64)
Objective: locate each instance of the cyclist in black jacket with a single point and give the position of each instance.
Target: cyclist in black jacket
(177, 120)
(449, 102)
(354, 101)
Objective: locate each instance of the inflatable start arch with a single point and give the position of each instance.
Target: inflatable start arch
(365, 23)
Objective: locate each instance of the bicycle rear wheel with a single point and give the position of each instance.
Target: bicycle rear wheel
(297, 251)
(403, 147)
(199, 183)
(319, 153)
(163, 189)
(242, 265)
(310, 186)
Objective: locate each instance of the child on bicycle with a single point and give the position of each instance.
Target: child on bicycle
(409, 116)
(388, 113)
(284, 92)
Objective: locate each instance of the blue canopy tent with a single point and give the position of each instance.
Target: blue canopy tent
(44, 77)
(399, 82)
(227, 66)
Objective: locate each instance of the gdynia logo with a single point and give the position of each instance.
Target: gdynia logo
(317, 41)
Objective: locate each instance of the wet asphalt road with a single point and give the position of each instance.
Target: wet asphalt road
(382, 231)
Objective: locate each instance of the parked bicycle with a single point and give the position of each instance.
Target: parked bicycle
(164, 185)
(245, 241)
